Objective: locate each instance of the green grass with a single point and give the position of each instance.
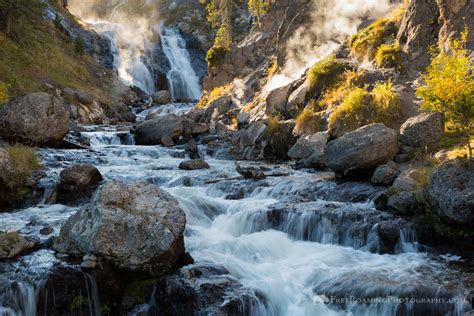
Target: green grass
(4, 96)
(208, 98)
(273, 125)
(366, 42)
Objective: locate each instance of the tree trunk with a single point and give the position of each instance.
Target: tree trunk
(8, 27)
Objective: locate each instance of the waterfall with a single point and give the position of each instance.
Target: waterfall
(182, 79)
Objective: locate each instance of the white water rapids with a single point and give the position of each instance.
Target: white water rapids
(295, 240)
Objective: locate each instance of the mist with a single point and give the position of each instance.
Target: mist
(332, 23)
(129, 25)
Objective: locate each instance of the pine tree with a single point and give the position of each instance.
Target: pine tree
(12, 10)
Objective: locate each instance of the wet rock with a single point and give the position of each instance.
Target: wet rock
(134, 226)
(13, 245)
(192, 149)
(204, 290)
(194, 164)
(38, 118)
(423, 131)
(384, 174)
(162, 97)
(403, 203)
(250, 172)
(153, 132)
(361, 150)
(48, 230)
(332, 223)
(77, 183)
(451, 191)
(309, 151)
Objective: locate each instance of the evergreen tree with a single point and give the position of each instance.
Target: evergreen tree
(12, 10)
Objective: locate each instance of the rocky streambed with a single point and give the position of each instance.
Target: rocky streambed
(297, 243)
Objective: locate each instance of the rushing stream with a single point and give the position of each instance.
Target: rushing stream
(301, 241)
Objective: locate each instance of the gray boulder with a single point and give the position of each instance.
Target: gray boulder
(361, 150)
(384, 174)
(451, 191)
(153, 131)
(162, 97)
(135, 226)
(308, 152)
(77, 183)
(403, 203)
(423, 131)
(6, 170)
(193, 164)
(12, 245)
(39, 118)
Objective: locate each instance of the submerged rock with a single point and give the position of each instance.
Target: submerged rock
(193, 164)
(451, 191)
(361, 150)
(77, 183)
(135, 226)
(250, 172)
(39, 118)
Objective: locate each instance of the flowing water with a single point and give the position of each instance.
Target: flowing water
(303, 242)
(182, 79)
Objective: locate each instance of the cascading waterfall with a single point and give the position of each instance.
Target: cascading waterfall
(182, 79)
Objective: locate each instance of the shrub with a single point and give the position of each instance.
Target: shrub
(208, 98)
(3, 92)
(388, 56)
(325, 73)
(360, 108)
(449, 87)
(215, 56)
(79, 46)
(334, 96)
(273, 125)
(352, 113)
(57, 21)
(308, 122)
(386, 101)
(366, 42)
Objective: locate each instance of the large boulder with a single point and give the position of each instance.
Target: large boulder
(309, 151)
(12, 245)
(77, 183)
(423, 131)
(153, 132)
(451, 191)
(384, 174)
(39, 118)
(134, 226)
(361, 150)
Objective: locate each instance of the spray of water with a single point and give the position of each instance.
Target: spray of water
(128, 24)
(332, 22)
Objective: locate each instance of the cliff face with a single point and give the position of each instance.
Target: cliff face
(433, 23)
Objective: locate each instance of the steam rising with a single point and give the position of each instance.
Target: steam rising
(332, 22)
(129, 24)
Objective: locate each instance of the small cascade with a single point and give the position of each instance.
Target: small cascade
(182, 79)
